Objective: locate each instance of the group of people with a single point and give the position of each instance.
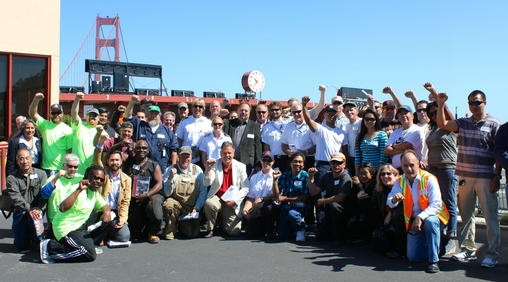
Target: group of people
(379, 173)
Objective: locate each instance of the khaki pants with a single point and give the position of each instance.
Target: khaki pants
(172, 210)
(472, 188)
(231, 224)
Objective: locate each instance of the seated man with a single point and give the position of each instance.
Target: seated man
(22, 189)
(419, 192)
(229, 186)
(183, 182)
(73, 243)
(290, 189)
(145, 211)
(116, 190)
(333, 188)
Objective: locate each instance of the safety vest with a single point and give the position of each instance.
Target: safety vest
(423, 198)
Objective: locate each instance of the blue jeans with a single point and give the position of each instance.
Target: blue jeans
(448, 185)
(23, 229)
(425, 243)
(291, 220)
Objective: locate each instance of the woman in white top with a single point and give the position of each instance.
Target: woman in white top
(210, 145)
(28, 138)
(259, 209)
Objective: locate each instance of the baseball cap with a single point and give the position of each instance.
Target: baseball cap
(92, 110)
(340, 157)
(404, 108)
(388, 104)
(350, 105)
(154, 108)
(330, 108)
(56, 108)
(185, 150)
(183, 105)
(268, 154)
(337, 98)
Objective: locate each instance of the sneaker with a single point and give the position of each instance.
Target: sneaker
(99, 251)
(300, 236)
(465, 256)
(43, 248)
(489, 262)
(432, 268)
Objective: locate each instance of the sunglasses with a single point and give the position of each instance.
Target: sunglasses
(337, 103)
(336, 162)
(182, 108)
(55, 113)
(297, 112)
(217, 123)
(369, 119)
(198, 106)
(274, 110)
(71, 166)
(475, 103)
(385, 174)
(267, 160)
(101, 179)
(261, 112)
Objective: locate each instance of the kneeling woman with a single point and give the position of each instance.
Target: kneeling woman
(259, 210)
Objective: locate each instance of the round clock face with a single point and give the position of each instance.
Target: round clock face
(253, 81)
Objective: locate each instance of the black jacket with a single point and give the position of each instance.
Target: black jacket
(250, 152)
(12, 150)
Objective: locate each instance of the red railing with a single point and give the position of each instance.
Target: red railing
(3, 153)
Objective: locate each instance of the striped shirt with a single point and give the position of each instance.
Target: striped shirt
(371, 151)
(475, 157)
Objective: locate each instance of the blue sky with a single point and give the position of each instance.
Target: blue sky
(207, 45)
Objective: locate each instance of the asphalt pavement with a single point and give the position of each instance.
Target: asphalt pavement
(222, 259)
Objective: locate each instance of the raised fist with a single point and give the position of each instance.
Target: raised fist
(305, 100)
(441, 98)
(276, 174)
(38, 96)
(312, 171)
(80, 95)
(409, 94)
(99, 128)
(322, 88)
(172, 173)
(387, 90)
(135, 99)
(210, 163)
(356, 180)
(429, 87)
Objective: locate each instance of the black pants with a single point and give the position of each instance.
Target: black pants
(331, 222)
(145, 217)
(77, 246)
(265, 222)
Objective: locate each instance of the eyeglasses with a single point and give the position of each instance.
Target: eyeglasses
(297, 112)
(217, 123)
(55, 113)
(386, 174)
(369, 119)
(261, 112)
(475, 103)
(274, 110)
(336, 162)
(71, 166)
(198, 106)
(421, 110)
(23, 159)
(101, 179)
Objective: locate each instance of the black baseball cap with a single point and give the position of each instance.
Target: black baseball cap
(56, 108)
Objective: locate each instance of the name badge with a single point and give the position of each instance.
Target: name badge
(298, 183)
(185, 179)
(161, 136)
(374, 143)
(33, 176)
(336, 182)
(250, 136)
(136, 167)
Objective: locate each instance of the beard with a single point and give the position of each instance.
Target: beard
(153, 123)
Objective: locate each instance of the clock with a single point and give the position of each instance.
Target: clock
(253, 81)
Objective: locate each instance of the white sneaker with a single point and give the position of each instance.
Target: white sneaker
(464, 256)
(489, 262)
(300, 236)
(43, 248)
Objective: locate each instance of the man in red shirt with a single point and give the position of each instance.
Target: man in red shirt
(229, 186)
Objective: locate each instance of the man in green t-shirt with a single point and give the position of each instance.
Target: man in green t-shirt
(56, 135)
(73, 242)
(84, 133)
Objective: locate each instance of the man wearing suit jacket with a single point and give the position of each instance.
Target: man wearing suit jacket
(246, 137)
(223, 175)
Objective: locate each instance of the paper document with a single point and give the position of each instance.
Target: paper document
(230, 194)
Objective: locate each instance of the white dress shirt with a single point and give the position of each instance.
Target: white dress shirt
(272, 135)
(260, 185)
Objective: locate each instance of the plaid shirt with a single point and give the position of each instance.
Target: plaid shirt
(293, 187)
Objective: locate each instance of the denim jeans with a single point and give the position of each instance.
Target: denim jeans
(23, 229)
(291, 220)
(448, 185)
(424, 243)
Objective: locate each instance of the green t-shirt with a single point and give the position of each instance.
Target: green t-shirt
(56, 140)
(78, 214)
(82, 144)
(63, 188)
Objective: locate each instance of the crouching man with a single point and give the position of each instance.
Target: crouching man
(73, 242)
(419, 192)
(183, 182)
